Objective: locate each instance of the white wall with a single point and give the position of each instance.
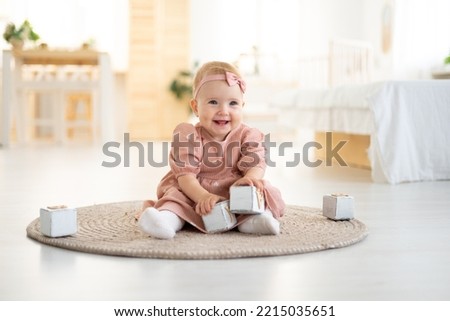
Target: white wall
(421, 37)
(294, 28)
(225, 29)
(69, 23)
(372, 30)
(288, 29)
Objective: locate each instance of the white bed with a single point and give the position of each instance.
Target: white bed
(340, 109)
(408, 121)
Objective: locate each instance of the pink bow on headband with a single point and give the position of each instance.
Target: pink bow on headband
(231, 78)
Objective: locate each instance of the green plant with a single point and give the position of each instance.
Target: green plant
(181, 86)
(447, 60)
(22, 33)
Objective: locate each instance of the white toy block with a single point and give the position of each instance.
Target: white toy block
(246, 200)
(58, 221)
(338, 207)
(220, 218)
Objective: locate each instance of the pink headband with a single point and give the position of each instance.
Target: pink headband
(230, 78)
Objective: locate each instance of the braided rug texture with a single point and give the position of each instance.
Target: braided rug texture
(111, 229)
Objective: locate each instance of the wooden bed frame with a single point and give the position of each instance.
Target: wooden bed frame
(348, 62)
(354, 152)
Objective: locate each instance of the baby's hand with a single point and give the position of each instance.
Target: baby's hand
(247, 181)
(206, 203)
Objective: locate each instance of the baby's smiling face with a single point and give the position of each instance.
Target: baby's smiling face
(219, 108)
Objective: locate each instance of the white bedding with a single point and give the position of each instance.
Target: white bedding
(343, 109)
(411, 140)
(409, 123)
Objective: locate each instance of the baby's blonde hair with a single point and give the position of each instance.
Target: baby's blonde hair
(213, 68)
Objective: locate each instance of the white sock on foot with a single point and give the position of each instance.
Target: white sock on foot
(263, 223)
(160, 224)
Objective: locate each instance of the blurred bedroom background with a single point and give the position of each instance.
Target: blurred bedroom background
(373, 73)
(150, 42)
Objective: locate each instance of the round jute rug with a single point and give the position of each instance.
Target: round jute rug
(111, 229)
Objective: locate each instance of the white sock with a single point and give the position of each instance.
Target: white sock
(160, 224)
(263, 223)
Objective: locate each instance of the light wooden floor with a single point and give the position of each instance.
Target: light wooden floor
(405, 257)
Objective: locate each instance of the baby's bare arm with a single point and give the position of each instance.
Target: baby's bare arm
(253, 177)
(204, 200)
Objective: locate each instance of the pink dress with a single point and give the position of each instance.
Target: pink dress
(216, 165)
